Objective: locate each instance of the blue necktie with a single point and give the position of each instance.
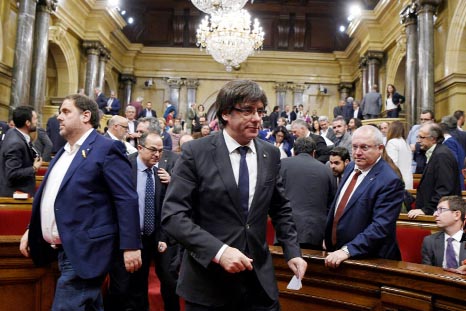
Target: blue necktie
(149, 204)
(450, 255)
(243, 181)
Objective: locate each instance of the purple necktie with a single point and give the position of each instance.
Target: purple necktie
(450, 255)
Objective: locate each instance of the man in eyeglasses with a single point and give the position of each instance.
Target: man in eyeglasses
(447, 248)
(222, 188)
(150, 175)
(440, 177)
(117, 130)
(362, 219)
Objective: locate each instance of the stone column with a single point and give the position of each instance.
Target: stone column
(92, 49)
(175, 86)
(128, 82)
(409, 20)
(298, 90)
(104, 57)
(39, 59)
(363, 69)
(425, 19)
(345, 89)
(374, 60)
(191, 85)
(22, 63)
(280, 89)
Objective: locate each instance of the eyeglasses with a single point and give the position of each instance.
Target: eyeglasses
(363, 147)
(152, 150)
(123, 126)
(422, 137)
(440, 210)
(250, 111)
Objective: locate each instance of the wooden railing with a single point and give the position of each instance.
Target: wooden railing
(369, 284)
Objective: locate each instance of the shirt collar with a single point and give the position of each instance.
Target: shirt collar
(232, 144)
(27, 137)
(140, 165)
(430, 151)
(79, 142)
(457, 236)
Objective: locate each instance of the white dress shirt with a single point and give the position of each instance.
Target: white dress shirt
(50, 192)
(456, 247)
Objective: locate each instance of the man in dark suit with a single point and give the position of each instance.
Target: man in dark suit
(113, 105)
(148, 112)
(301, 129)
(362, 220)
(222, 188)
(447, 247)
(130, 114)
(339, 110)
(274, 117)
(100, 99)
(85, 211)
(129, 291)
(289, 114)
(18, 161)
(440, 177)
(3, 129)
(53, 132)
(310, 186)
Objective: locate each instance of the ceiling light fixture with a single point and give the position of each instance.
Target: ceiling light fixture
(219, 6)
(229, 37)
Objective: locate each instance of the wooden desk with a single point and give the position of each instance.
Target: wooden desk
(371, 284)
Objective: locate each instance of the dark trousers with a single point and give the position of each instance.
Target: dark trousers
(393, 113)
(247, 295)
(129, 291)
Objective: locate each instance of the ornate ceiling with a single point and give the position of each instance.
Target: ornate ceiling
(289, 25)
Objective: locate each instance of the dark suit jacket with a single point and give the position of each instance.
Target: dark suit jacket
(135, 140)
(292, 115)
(433, 250)
(338, 111)
(202, 211)
(101, 101)
(3, 129)
(273, 120)
(460, 136)
(114, 109)
(96, 209)
(302, 176)
(167, 162)
(53, 131)
(16, 160)
(143, 113)
(43, 145)
(322, 151)
(440, 178)
(368, 223)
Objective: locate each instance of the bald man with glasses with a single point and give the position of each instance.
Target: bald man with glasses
(117, 130)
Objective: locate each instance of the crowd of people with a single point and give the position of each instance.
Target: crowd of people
(194, 196)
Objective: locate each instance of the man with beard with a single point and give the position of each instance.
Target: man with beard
(339, 159)
(19, 162)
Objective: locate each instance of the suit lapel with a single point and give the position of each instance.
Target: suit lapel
(361, 189)
(28, 147)
(223, 163)
(79, 157)
(439, 249)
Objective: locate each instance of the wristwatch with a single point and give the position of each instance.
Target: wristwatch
(345, 249)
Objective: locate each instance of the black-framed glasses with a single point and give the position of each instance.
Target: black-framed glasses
(249, 111)
(123, 126)
(152, 150)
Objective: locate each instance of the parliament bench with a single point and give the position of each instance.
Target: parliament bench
(14, 215)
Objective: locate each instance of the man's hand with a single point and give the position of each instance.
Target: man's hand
(414, 213)
(132, 260)
(37, 163)
(163, 175)
(233, 261)
(162, 247)
(334, 259)
(24, 244)
(298, 266)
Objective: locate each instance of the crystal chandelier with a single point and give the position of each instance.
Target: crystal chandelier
(218, 6)
(229, 38)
